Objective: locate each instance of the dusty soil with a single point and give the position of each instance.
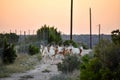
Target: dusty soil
(43, 71)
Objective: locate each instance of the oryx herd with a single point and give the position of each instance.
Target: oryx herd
(56, 51)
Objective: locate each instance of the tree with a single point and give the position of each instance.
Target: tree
(49, 34)
(105, 65)
(9, 54)
(115, 34)
(69, 64)
(1, 40)
(11, 38)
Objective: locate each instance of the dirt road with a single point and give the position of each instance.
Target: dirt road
(43, 71)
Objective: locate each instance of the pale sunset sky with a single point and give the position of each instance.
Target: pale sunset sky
(30, 15)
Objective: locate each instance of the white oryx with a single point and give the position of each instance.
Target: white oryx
(74, 50)
(47, 52)
(52, 52)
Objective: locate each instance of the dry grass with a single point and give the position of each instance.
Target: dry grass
(70, 76)
(23, 63)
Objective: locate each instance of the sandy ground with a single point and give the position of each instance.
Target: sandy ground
(44, 71)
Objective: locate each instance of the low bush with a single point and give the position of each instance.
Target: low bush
(70, 42)
(84, 46)
(69, 63)
(8, 54)
(105, 65)
(33, 50)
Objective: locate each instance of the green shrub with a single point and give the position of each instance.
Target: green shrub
(70, 42)
(32, 50)
(91, 70)
(69, 63)
(108, 54)
(8, 54)
(105, 65)
(11, 38)
(85, 60)
(84, 46)
(48, 34)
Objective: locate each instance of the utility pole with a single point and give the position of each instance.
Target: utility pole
(24, 40)
(24, 34)
(33, 32)
(90, 29)
(3, 32)
(71, 20)
(20, 32)
(10, 30)
(15, 31)
(29, 32)
(99, 31)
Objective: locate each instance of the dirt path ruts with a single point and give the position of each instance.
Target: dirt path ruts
(43, 71)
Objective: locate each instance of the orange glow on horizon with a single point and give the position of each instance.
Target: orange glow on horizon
(27, 15)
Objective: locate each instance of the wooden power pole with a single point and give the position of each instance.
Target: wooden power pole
(99, 31)
(90, 29)
(71, 20)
